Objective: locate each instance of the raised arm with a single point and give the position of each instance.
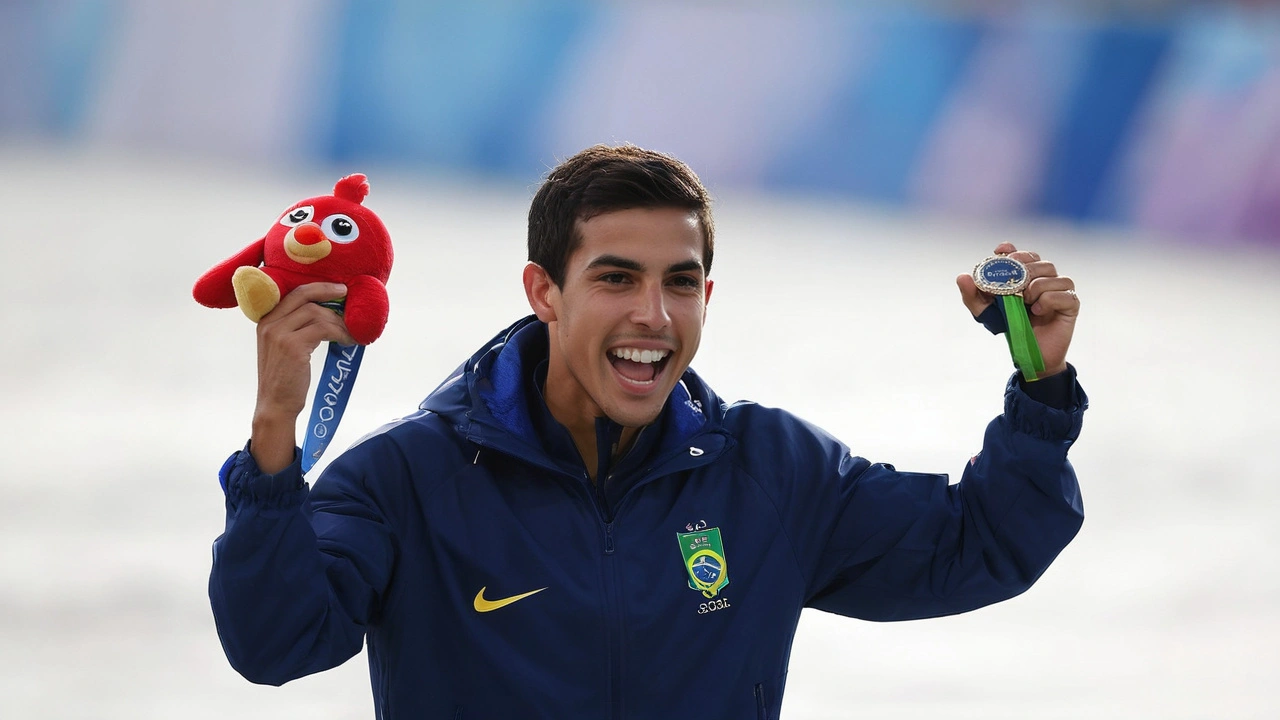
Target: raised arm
(900, 545)
(297, 572)
(903, 545)
(287, 336)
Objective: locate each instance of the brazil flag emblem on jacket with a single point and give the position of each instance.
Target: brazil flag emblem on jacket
(703, 553)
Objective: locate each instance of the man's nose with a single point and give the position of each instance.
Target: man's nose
(651, 310)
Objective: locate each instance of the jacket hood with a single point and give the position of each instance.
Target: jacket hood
(488, 398)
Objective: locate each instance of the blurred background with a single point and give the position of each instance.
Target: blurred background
(861, 154)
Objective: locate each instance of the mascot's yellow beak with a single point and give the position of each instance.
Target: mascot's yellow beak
(306, 244)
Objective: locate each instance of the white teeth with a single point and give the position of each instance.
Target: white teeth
(641, 356)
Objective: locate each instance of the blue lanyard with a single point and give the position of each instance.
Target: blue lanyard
(334, 389)
(341, 365)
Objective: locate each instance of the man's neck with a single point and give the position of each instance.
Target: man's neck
(581, 424)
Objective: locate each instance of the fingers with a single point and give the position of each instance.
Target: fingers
(300, 318)
(1023, 256)
(1050, 295)
(1038, 270)
(311, 320)
(312, 324)
(1046, 291)
(310, 293)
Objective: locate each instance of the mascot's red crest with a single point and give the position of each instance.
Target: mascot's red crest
(353, 188)
(332, 238)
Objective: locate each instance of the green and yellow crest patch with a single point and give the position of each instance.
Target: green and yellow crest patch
(704, 560)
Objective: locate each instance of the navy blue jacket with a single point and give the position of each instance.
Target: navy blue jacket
(670, 590)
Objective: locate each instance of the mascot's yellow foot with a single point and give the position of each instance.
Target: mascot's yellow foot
(256, 293)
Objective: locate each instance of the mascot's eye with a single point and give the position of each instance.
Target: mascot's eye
(297, 216)
(340, 228)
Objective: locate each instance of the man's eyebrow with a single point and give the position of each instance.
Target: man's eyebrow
(628, 264)
(615, 261)
(686, 266)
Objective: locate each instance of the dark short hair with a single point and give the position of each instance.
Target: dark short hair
(603, 179)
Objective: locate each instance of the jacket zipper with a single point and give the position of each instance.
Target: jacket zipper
(613, 613)
(615, 630)
(613, 623)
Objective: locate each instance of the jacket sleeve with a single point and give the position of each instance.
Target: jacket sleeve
(901, 545)
(298, 572)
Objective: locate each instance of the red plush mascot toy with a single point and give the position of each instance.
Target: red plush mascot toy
(332, 238)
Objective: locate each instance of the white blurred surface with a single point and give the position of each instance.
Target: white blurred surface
(122, 396)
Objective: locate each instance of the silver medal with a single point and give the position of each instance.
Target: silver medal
(1000, 275)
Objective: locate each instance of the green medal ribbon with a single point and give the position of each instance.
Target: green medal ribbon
(1002, 275)
(1022, 341)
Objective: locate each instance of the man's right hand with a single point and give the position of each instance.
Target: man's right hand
(287, 337)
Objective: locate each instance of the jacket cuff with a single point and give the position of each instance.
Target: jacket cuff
(245, 483)
(993, 319)
(1027, 415)
(1056, 391)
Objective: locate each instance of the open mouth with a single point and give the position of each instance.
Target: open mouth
(639, 369)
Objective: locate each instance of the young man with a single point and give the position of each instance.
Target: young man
(575, 526)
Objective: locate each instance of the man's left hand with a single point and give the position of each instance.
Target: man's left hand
(1052, 305)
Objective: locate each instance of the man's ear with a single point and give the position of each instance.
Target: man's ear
(540, 291)
(706, 299)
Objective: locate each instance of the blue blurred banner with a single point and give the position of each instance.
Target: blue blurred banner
(1165, 121)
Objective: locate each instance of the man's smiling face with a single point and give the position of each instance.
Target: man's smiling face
(628, 319)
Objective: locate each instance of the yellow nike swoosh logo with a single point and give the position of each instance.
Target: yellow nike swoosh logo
(484, 606)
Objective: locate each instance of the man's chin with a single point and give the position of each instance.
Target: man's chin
(635, 417)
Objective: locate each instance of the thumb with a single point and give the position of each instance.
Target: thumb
(973, 298)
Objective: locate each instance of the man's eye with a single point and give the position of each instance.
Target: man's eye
(685, 281)
(614, 278)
